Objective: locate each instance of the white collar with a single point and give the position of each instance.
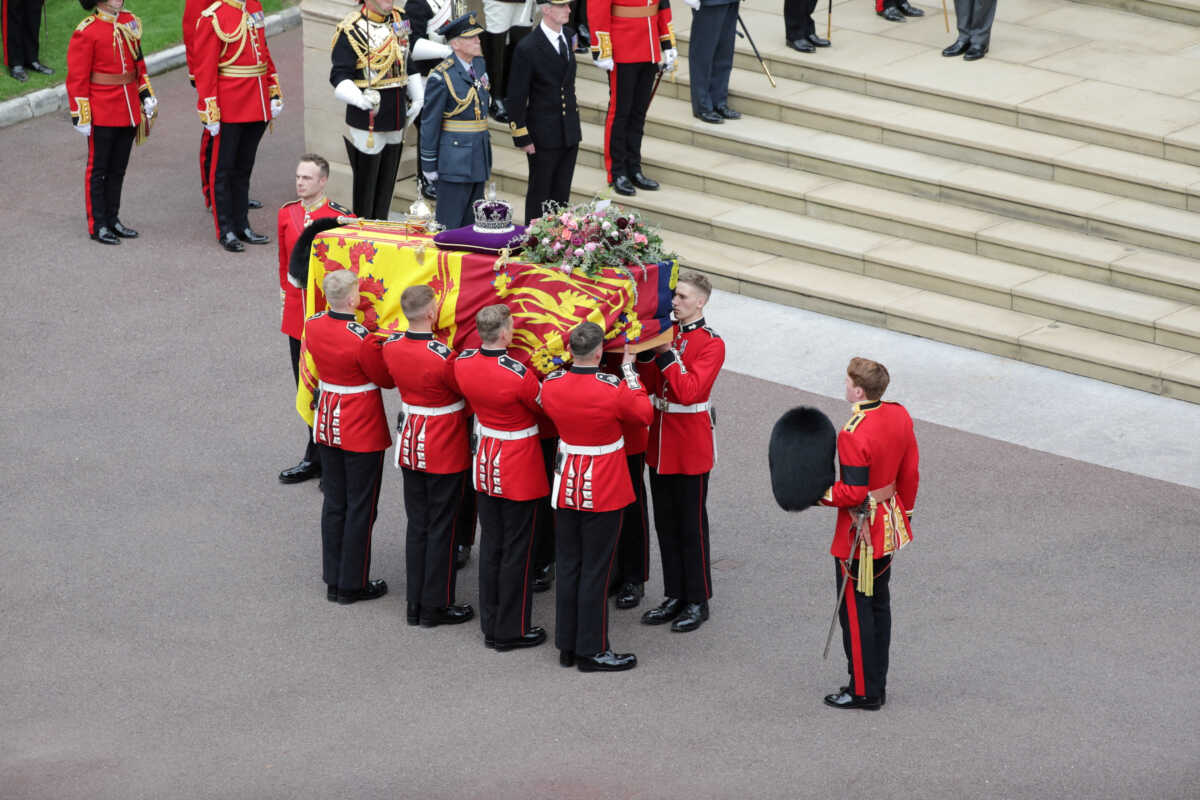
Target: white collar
(551, 35)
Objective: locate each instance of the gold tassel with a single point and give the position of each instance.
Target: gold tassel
(866, 568)
(371, 135)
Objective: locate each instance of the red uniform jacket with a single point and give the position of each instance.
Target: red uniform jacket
(112, 47)
(876, 450)
(504, 393)
(590, 408)
(630, 31)
(293, 219)
(682, 440)
(235, 76)
(348, 357)
(423, 369)
(636, 433)
(191, 15)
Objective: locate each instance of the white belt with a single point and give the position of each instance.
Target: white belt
(508, 436)
(433, 411)
(591, 450)
(339, 389)
(675, 408)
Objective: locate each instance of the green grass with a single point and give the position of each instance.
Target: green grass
(160, 18)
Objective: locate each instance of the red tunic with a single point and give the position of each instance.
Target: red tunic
(876, 449)
(630, 39)
(590, 409)
(348, 357)
(682, 434)
(423, 369)
(235, 76)
(636, 434)
(504, 394)
(110, 46)
(293, 219)
(191, 15)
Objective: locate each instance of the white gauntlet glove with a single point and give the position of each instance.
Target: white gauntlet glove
(84, 130)
(416, 97)
(213, 128)
(425, 50)
(694, 5)
(605, 64)
(670, 56)
(276, 107)
(430, 177)
(150, 105)
(351, 95)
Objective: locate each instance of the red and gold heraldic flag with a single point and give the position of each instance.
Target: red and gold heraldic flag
(546, 303)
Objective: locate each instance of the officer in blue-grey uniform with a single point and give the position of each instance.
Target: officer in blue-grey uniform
(710, 58)
(456, 150)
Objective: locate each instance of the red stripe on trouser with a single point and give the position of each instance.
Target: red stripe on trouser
(700, 528)
(371, 524)
(87, 182)
(608, 121)
(604, 589)
(4, 30)
(878, 5)
(212, 179)
(860, 680)
(525, 579)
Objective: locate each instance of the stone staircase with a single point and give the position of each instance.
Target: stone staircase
(1184, 11)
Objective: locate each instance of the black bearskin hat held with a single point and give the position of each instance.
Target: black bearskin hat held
(298, 261)
(801, 453)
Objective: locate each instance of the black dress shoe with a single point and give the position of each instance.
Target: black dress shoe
(608, 661)
(498, 111)
(124, 232)
(249, 236)
(429, 190)
(533, 638)
(709, 116)
(630, 595)
(331, 592)
(882, 693)
(462, 554)
(104, 235)
(910, 10)
(691, 617)
(802, 45)
(450, 615)
(622, 185)
(254, 203)
(38, 66)
(413, 614)
(373, 590)
(975, 53)
(892, 14)
(566, 658)
(817, 41)
(19, 73)
(957, 49)
(667, 610)
(728, 113)
(303, 471)
(543, 578)
(642, 182)
(847, 700)
(231, 242)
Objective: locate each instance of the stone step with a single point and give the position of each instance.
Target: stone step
(953, 136)
(1186, 12)
(884, 166)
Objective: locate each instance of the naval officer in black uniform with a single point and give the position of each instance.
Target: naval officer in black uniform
(543, 115)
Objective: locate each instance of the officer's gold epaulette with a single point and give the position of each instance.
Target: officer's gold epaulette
(347, 22)
(341, 209)
(290, 203)
(88, 20)
(853, 422)
(211, 10)
(444, 65)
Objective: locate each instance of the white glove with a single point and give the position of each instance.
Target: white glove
(694, 5)
(276, 107)
(85, 129)
(416, 97)
(430, 177)
(351, 95)
(213, 128)
(605, 64)
(149, 105)
(670, 56)
(425, 50)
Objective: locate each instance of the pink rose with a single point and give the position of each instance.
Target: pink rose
(590, 246)
(640, 238)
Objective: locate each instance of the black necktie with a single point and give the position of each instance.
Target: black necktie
(562, 47)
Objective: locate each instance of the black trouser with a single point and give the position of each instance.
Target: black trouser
(633, 549)
(234, 150)
(311, 453)
(108, 156)
(351, 484)
(432, 503)
(974, 18)
(866, 628)
(579, 15)
(464, 520)
(543, 542)
(374, 179)
(586, 551)
(551, 170)
(454, 203)
(206, 150)
(505, 565)
(681, 519)
(498, 54)
(24, 18)
(629, 93)
(797, 19)
(710, 55)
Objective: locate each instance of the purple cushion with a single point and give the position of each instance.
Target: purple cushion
(477, 242)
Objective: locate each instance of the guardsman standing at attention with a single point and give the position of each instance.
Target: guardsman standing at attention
(351, 429)
(681, 453)
(543, 114)
(112, 103)
(433, 452)
(238, 94)
(591, 490)
(312, 174)
(629, 39)
(633, 548)
(508, 475)
(878, 459)
(456, 149)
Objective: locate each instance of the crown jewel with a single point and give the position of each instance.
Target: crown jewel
(492, 215)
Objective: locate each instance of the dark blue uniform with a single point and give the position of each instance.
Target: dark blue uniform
(454, 137)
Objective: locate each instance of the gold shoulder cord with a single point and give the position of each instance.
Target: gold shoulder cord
(238, 35)
(462, 102)
(379, 61)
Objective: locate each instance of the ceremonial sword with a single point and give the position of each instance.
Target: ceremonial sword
(858, 537)
(754, 47)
